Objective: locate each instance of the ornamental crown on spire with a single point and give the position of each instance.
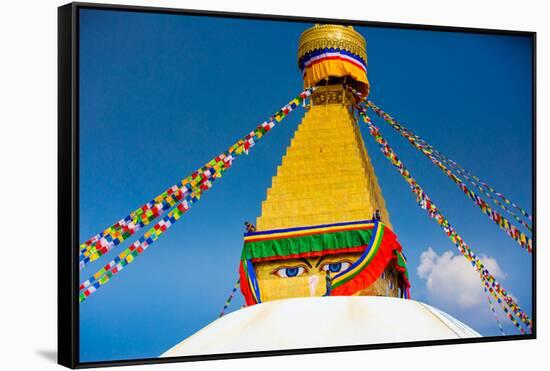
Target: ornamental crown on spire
(333, 51)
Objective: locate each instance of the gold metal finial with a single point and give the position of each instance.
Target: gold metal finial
(332, 36)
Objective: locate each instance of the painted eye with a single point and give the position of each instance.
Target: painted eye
(336, 267)
(288, 272)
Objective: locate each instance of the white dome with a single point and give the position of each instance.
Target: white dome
(322, 322)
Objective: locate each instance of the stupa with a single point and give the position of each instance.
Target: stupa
(324, 216)
(324, 213)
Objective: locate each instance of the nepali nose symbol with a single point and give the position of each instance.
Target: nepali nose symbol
(313, 281)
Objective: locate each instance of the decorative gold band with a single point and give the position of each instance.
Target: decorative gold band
(332, 36)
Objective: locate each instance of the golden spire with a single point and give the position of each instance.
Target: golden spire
(326, 175)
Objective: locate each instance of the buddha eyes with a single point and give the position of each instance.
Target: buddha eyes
(299, 270)
(336, 267)
(290, 271)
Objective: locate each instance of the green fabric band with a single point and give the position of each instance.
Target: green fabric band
(403, 264)
(306, 244)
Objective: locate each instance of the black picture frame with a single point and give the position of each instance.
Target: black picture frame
(68, 183)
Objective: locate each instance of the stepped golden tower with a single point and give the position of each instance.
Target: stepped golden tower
(324, 228)
(326, 175)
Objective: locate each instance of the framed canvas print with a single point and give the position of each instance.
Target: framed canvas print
(237, 185)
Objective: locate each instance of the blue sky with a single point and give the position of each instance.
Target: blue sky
(160, 95)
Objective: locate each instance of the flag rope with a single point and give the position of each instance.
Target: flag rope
(103, 242)
(504, 308)
(509, 312)
(467, 174)
(427, 204)
(443, 163)
(491, 292)
(510, 229)
(492, 307)
(228, 301)
(104, 275)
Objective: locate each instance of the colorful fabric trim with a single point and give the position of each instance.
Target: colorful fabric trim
(365, 259)
(246, 285)
(319, 55)
(377, 242)
(303, 241)
(382, 251)
(427, 204)
(402, 263)
(401, 266)
(253, 296)
(313, 254)
(323, 63)
(276, 232)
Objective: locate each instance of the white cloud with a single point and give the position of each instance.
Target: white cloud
(452, 282)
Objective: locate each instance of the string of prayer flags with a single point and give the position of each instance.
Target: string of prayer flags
(228, 301)
(115, 266)
(199, 184)
(123, 229)
(504, 308)
(487, 189)
(489, 291)
(428, 149)
(103, 242)
(427, 204)
(492, 307)
(469, 178)
(486, 193)
(510, 229)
